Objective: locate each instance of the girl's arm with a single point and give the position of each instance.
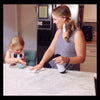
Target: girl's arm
(23, 57)
(10, 60)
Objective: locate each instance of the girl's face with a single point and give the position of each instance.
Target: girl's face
(58, 21)
(17, 49)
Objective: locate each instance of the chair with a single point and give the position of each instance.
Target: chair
(30, 56)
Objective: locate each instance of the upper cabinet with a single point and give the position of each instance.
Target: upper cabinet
(90, 13)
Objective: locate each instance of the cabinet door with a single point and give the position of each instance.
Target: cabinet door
(90, 13)
(90, 64)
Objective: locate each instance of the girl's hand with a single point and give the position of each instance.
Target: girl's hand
(60, 60)
(22, 62)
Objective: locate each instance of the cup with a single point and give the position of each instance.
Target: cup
(61, 68)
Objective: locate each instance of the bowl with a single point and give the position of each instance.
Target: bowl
(20, 65)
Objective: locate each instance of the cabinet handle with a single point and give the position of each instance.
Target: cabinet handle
(91, 51)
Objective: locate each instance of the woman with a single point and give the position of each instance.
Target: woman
(68, 41)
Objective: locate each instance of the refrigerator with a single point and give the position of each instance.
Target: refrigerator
(46, 28)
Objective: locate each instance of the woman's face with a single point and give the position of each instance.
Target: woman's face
(17, 49)
(58, 21)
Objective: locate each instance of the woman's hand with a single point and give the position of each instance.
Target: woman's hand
(60, 60)
(37, 67)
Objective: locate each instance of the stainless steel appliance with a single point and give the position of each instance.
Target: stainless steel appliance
(45, 27)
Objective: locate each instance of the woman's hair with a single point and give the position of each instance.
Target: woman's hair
(64, 12)
(16, 40)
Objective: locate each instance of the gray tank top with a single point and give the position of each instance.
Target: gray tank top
(67, 49)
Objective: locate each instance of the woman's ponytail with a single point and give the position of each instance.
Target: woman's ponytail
(70, 27)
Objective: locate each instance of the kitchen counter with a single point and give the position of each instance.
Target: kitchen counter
(47, 81)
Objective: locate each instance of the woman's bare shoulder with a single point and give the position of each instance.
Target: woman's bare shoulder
(22, 52)
(58, 30)
(79, 33)
(53, 43)
(79, 36)
(8, 52)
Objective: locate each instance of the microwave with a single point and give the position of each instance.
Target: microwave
(44, 18)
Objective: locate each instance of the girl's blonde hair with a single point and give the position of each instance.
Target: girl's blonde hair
(16, 40)
(64, 12)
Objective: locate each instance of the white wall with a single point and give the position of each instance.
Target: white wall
(20, 19)
(27, 17)
(9, 24)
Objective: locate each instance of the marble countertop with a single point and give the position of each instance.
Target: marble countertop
(47, 81)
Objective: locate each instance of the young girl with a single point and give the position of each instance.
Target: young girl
(15, 52)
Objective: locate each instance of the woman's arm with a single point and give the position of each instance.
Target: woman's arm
(50, 51)
(80, 47)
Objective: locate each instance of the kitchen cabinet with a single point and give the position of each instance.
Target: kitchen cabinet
(90, 63)
(90, 13)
